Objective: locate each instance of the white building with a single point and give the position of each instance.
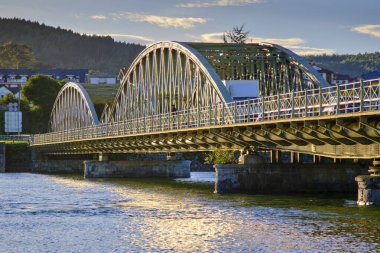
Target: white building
(101, 79)
(4, 91)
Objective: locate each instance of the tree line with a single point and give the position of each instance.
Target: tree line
(62, 48)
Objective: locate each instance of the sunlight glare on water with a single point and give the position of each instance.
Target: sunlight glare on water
(40, 213)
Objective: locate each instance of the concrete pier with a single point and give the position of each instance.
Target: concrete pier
(137, 169)
(2, 157)
(287, 178)
(58, 166)
(368, 190)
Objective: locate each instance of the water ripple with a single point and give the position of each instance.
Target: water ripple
(40, 213)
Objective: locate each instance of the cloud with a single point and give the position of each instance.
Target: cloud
(126, 37)
(373, 30)
(295, 44)
(98, 17)
(219, 3)
(161, 21)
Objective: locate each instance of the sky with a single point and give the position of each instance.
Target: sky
(304, 26)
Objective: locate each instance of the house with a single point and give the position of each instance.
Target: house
(4, 91)
(327, 74)
(342, 79)
(18, 77)
(15, 91)
(101, 78)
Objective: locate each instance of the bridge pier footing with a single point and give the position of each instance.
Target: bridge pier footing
(368, 190)
(260, 177)
(137, 169)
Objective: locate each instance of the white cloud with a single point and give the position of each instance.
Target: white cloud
(373, 30)
(161, 21)
(127, 37)
(218, 3)
(295, 44)
(98, 17)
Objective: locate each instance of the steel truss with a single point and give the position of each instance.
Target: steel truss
(339, 121)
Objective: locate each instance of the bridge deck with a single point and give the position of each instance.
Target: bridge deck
(338, 121)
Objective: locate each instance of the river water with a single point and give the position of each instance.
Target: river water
(45, 213)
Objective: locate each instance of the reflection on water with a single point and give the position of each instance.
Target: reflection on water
(40, 213)
(206, 177)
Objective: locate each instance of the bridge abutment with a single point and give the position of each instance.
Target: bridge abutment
(137, 169)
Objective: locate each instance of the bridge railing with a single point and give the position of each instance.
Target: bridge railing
(19, 137)
(345, 98)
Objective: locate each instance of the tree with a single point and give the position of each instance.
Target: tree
(221, 157)
(15, 56)
(237, 35)
(40, 91)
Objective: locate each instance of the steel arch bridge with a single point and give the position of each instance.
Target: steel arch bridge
(189, 76)
(296, 109)
(72, 109)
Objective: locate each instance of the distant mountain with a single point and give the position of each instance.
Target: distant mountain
(353, 65)
(61, 48)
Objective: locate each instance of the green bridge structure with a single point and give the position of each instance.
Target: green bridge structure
(296, 109)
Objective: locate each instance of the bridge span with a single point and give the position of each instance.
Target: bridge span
(173, 98)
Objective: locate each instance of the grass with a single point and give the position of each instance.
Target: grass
(101, 93)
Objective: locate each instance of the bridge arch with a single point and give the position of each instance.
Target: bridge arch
(189, 76)
(72, 109)
(164, 75)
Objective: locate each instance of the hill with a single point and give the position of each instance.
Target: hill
(353, 65)
(61, 48)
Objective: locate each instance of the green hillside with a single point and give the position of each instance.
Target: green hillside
(15, 56)
(353, 65)
(61, 48)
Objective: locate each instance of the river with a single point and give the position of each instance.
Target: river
(65, 213)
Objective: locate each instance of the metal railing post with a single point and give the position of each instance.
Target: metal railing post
(306, 103)
(320, 102)
(338, 99)
(278, 106)
(235, 113)
(223, 114)
(361, 95)
(262, 108)
(210, 116)
(292, 114)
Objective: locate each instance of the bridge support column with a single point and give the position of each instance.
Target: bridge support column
(275, 156)
(260, 177)
(103, 157)
(368, 190)
(227, 175)
(295, 157)
(2, 157)
(316, 159)
(369, 186)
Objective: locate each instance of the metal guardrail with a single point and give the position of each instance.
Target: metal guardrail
(354, 97)
(21, 137)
